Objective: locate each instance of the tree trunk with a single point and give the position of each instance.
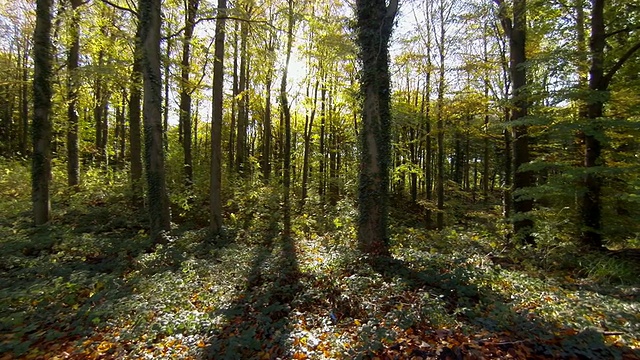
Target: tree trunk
(158, 204)
(185, 90)
(234, 101)
(374, 27)
(284, 102)
(440, 120)
(241, 136)
(591, 202)
(266, 141)
(135, 153)
(308, 130)
(165, 108)
(73, 170)
(522, 180)
(216, 121)
(41, 127)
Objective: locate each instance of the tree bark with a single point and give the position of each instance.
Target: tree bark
(158, 204)
(374, 27)
(41, 127)
(216, 121)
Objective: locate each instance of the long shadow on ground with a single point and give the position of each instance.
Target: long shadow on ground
(521, 334)
(256, 324)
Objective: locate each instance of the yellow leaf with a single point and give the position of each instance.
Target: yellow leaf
(201, 344)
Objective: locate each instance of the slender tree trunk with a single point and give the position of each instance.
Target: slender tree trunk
(24, 108)
(374, 27)
(73, 169)
(216, 121)
(266, 141)
(591, 201)
(323, 119)
(440, 119)
(234, 101)
(135, 152)
(158, 203)
(41, 128)
(123, 128)
(165, 108)
(284, 102)
(241, 136)
(307, 145)
(185, 90)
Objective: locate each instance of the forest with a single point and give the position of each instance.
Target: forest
(299, 179)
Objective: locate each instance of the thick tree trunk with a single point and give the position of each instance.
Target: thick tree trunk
(216, 121)
(73, 169)
(522, 180)
(374, 26)
(41, 128)
(158, 204)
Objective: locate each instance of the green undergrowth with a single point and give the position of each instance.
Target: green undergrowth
(90, 285)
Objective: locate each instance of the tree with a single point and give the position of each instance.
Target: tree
(516, 30)
(284, 103)
(216, 121)
(158, 204)
(599, 81)
(135, 151)
(374, 27)
(73, 171)
(185, 89)
(41, 127)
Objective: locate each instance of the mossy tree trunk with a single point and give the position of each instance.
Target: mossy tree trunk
(158, 204)
(374, 26)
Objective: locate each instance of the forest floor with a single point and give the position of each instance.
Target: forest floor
(90, 286)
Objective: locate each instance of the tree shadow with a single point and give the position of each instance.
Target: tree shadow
(523, 332)
(256, 324)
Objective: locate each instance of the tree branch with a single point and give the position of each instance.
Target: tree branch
(626, 29)
(505, 20)
(607, 78)
(120, 7)
(265, 22)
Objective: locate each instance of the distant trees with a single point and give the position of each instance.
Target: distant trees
(491, 100)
